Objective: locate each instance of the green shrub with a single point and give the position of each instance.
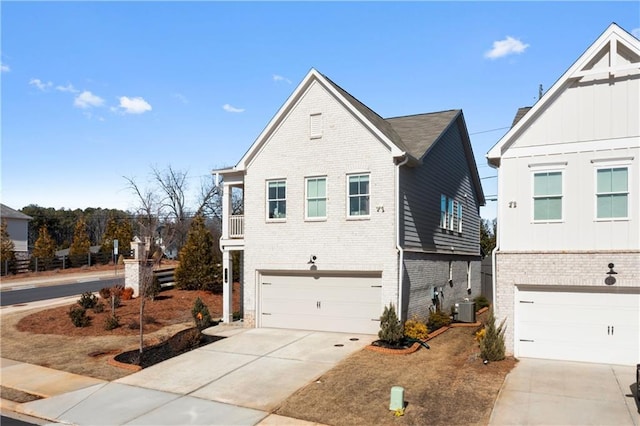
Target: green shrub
(133, 325)
(111, 322)
(98, 308)
(88, 300)
(416, 329)
(201, 315)
(481, 302)
(153, 290)
(492, 346)
(390, 327)
(79, 316)
(437, 320)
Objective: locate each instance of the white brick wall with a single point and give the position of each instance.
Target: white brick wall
(584, 269)
(339, 244)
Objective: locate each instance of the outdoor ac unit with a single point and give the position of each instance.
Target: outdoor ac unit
(466, 311)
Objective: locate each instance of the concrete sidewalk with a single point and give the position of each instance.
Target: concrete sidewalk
(548, 392)
(239, 380)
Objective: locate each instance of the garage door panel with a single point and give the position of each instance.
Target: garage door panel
(321, 302)
(590, 326)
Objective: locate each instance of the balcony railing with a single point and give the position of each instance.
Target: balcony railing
(236, 226)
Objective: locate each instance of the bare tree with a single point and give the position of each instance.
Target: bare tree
(173, 184)
(148, 210)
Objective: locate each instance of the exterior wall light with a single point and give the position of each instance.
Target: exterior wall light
(610, 280)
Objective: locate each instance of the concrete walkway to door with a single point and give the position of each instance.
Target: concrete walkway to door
(547, 392)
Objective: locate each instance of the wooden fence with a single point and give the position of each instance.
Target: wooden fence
(35, 264)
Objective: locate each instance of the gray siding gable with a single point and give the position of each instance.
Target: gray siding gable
(445, 170)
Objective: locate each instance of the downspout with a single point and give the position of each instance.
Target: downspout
(496, 249)
(398, 245)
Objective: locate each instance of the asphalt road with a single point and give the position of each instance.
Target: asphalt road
(15, 297)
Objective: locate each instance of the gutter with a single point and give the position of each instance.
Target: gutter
(398, 246)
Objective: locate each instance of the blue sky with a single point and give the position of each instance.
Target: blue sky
(94, 91)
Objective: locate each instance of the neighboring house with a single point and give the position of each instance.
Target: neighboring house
(346, 212)
(567, 265)
(18, 229)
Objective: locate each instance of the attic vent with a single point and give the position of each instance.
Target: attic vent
(315, 126)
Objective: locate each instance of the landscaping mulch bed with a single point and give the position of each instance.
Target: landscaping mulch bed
(181, 342)
(170, 307)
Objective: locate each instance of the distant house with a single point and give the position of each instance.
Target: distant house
(18, 229)
(568, 257)
(346, 212)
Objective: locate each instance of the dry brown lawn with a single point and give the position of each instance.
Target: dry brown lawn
(445, 385)
(47, 337)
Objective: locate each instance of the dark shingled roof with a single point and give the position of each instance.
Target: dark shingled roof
(370, 115)
(521, 113)
(9, 213)
(413, 134)
(420, 131)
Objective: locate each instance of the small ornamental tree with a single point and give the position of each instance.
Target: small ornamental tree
(81, 243)
(492, 346)
(44, 248)
(201, 315)
(7, 249)
(197, 264)
(391, 330)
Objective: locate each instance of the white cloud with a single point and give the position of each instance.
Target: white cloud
(505, 47)
(87, 99)
(181, 97)
(4, 68)
(277, 78)
(134, 105)
(68, 88)
(230, 108)
(636, 33)
(40, 84)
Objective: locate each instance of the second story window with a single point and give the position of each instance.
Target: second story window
(547, 196)
(612, 193)
(358, 195)
(450, 214)
(277, 199)
(316, 198)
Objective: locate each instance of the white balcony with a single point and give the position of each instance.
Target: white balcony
(236, 226)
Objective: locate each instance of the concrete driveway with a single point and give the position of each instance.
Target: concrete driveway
(546, 392)
(235, 381)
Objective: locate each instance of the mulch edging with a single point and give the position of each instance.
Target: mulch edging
(416, 346)
(132, 367)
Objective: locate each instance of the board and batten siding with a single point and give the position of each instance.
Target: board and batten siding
(444, 171)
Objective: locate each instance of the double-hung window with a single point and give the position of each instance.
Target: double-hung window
(277, 199)
(316, 198)
(612, 192)
(547, 196)
(450, 214)
(358, 195)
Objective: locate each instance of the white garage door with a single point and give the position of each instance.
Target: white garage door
(321, 302)
(588, 325)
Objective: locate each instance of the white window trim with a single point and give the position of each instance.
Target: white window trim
(312, 117)
(266, 196)
(348, 200)
(613, 163)
(452, 214)
(306, 199)
(534, 171)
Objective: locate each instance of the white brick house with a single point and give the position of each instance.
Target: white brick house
(342, 214)
(569, 207)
